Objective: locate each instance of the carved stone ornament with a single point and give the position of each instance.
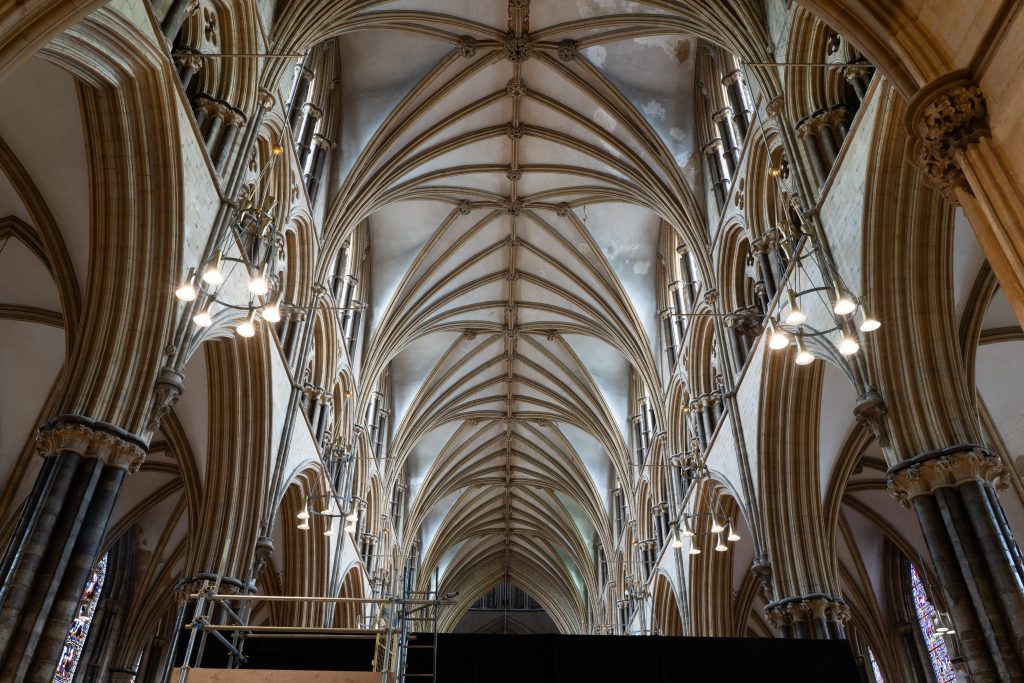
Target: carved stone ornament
(870, 413)
(514, 174)
(467, 46)
(942, 121)
(711, 296)
(563, 210)
(465, 207)
(514, 131)
(517, 48)
(469, 334)
(567, 50)
(516, 89)
(924, 474)
(511, 207)
(89, 441)
(169, 385)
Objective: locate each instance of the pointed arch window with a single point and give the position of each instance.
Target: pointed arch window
(875, 670)
(927, 617)
(72, 652)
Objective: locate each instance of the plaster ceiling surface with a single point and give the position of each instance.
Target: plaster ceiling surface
(514, 208)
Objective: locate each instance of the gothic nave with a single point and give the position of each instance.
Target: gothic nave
(376, 320)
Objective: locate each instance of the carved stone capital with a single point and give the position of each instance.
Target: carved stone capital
(731, 78)
(90, 440)
(775, 107)
(711, 296)
(943, 118)
(944, 469)
(266, 98)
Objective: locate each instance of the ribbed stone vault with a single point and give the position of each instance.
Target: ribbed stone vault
(515, 187)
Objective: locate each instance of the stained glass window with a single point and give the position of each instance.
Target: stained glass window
(80, 626)
(928, 616)
(877, 672)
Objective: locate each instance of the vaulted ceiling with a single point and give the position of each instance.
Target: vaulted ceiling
(514, 187)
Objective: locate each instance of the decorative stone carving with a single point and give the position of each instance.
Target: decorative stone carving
(926, 473)
(514, 131)
(711, 296)
(870, 413)
(551, 335)
(516, 89)
(467, 46)
(563, 210)
(513, 174)
(89, 440)
(465, 206)
(942, 121)
(775, 107)
(511, 207)
(567, 50)
(266, 99)
(169, 385)
(517, 48)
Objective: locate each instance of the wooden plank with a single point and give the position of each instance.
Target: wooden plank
(280, 676)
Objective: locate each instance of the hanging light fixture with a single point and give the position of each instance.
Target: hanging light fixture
(304, 515)
(795, 316)
(694, 550)
(305, 525)
(677, 541)
(687, 529)
(204, 318)
(777, 339)
(731, 536)
(868, 323)
(258, 285)
(716, 526)
(330, 530)
(848, 345)
(212, 273)
(187, 290)
(720, 547)
(803, 356)
(272, 312)
(842, 303)
(247, 327)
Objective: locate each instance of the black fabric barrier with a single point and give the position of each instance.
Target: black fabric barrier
(471, 658)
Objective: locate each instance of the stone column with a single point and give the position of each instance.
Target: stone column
(188, 66)
(736, 89)
(176, 15)
(807, 131)
(724, 121)
(858, 77)
(57, 540)
(813, 616)
(233, 120)
(972, 552)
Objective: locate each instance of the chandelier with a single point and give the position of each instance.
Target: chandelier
(720, 526)
(250, 248)
(843, 308)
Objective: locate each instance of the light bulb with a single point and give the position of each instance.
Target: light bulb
(720, 547)
(732, 536)
(795, 315)
(213, 273)
(258, 284)
(716, 526)
(272, 311)
(305, 525)
(187, 291)
(352, 516)
(303, 515)
(777, 339)
(350, 529)
(330, 531)
(803, 356)
(848, 345)
(204, 318)
(247, 327)
(694, 550)
(868, 324)
(326, 511)
(677, 542)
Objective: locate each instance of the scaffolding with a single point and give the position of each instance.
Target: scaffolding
(399, 623)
